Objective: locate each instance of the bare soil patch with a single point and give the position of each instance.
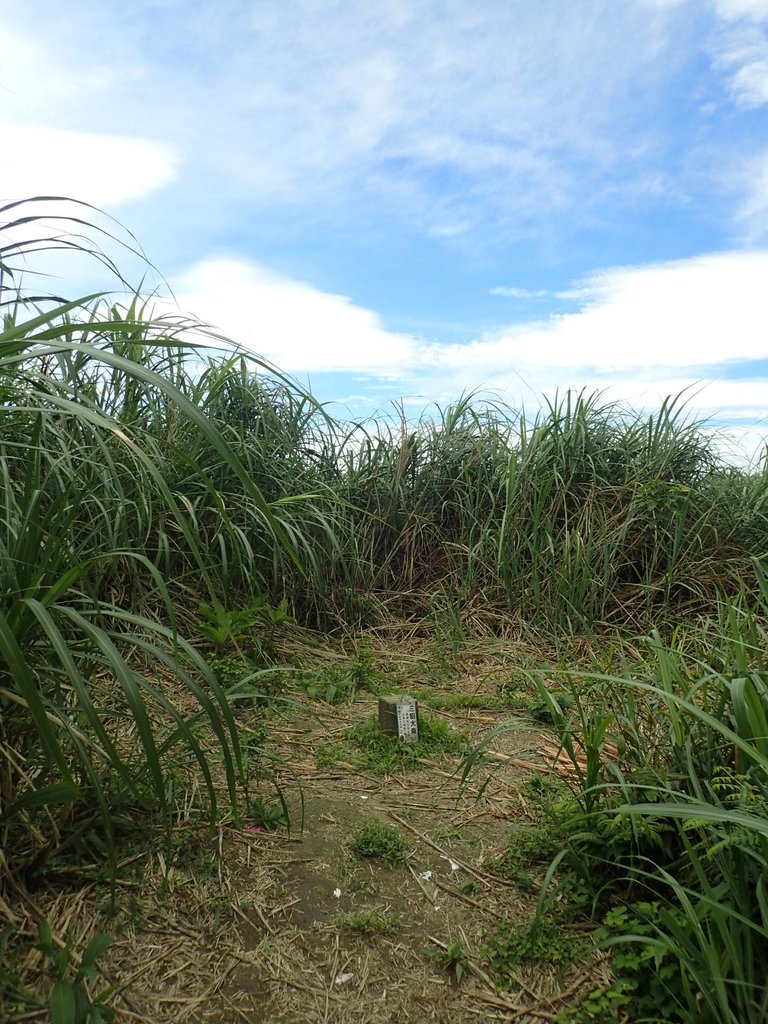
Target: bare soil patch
(270, 926)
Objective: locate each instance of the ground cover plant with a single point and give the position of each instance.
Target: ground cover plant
(173, 513)
(367, 746)
(370, 922)
(377, 839)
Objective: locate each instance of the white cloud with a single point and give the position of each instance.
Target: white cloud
(737, 402)
(643, 333)
(742, 445)
(291, 324)
(105, 170)
(742, 53)
(36, 75)
(740, 49)
(697, 312)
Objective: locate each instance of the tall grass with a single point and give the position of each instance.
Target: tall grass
(142, 477)
(669, 810)
(98, 540)
(586, 514)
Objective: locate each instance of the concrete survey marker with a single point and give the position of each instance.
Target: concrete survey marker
(399, 716)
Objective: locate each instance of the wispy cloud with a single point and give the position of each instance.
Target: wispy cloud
(444, 113)
(752, 182)
(512, 292)
(732, 10)
(457, 120)
(750, 82)
(741, 49)
(37, 77)
(742, 54)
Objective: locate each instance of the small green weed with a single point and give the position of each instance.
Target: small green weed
(649, 979)
(228, 629)
(607, 1005)
(369, 923)
(330, 755)
(540, 709)
(268, 816)
(522, 696)
(333, 686)
(14, 995)
(191, 852)
(526, 848)
(338, 684)
(448, 832)
(450, 635)
(71, 1002)
(376, 839)
(254, 683)
(363, 669)
(542, 790)
(231, 669)
(468, 887)
(454, 959)
(251, 632)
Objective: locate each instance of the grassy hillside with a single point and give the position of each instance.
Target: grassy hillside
(165, 511)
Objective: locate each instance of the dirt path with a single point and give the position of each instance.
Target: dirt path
(263, 926)
(303, 957)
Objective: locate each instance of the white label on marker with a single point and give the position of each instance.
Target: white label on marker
(407, 721)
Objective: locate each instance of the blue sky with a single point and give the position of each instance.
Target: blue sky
(408, 199)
